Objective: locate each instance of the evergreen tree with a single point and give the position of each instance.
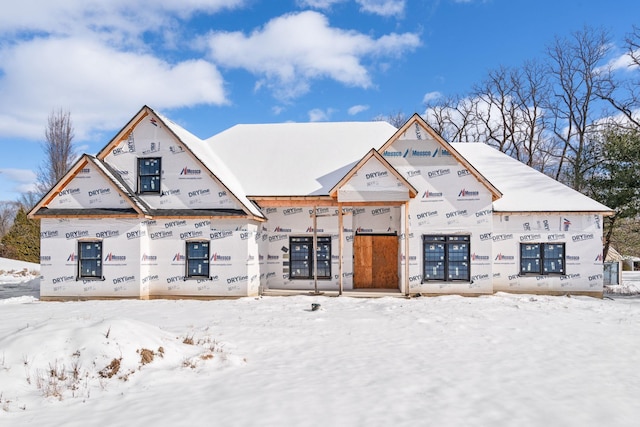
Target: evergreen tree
(22, 242)
(615, 182)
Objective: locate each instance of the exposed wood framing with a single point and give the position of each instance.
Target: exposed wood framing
(373, 154)
(101, 216)
(406, 249)
(340, 247)
(124, 132)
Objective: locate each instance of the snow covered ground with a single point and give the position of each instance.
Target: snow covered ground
(502, 360)
(19, 278)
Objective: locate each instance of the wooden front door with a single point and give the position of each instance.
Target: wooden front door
(375, 261)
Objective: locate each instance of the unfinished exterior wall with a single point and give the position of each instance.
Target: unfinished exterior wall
(297, 221)
(581, 234)
(233, 267)
(88, 189)
(450, 201)
(143, 259)
(121, 270)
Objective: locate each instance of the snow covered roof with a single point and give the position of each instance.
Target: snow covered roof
(300, 159)
(524, 189)
(201, 150)
(296, 159)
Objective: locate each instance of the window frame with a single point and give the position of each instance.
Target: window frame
(446, 240)
(322, 241)
(542, 259)
(188, 257)
(154, 175)
(81, 259)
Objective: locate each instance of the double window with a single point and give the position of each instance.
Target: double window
(301, 260)
(198, 259)
(446, 258)
(149, 175)
(542, 258)
(90, 259)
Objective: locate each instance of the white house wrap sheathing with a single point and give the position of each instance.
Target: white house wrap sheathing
(450, 201)
(120, 258)
(581, 234)
(142, 259)
(89, 188)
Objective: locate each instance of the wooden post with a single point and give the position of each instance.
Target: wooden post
(340, 247)
(315, 249)
(406, 248)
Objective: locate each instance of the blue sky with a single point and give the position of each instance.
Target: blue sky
(210, 64)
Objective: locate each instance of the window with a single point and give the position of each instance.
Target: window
(301, 258)
(198, 259)
(446, 258)
(541, 258)
(90, 260)
(149, 175)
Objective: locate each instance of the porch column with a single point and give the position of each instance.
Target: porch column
(315, 249)
(406, 248)
(340, 247)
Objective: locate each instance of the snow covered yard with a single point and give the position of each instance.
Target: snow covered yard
(502, 360)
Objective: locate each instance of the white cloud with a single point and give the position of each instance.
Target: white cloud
(92, 58)
(376, 7)
(431, 96)
(123, 17)
(357, 109)
(20, 180)
(99, 85)
(318, 115)
(292, 50)
(382, 7)
(623, 62)
(319, 4)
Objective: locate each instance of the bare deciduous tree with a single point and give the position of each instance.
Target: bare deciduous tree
(624, 94)
(576, 69)
(396, 119)
(496, 114)
(58, 149)
(454, 118)
(531, 91)
(8, 210)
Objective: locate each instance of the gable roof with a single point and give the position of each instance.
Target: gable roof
(296, 159)
(198, 149)
(417, 119)
(523, 188)
(136, 206)
(373, 154)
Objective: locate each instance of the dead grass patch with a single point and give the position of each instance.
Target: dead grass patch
(111, 369)
(146, 356)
